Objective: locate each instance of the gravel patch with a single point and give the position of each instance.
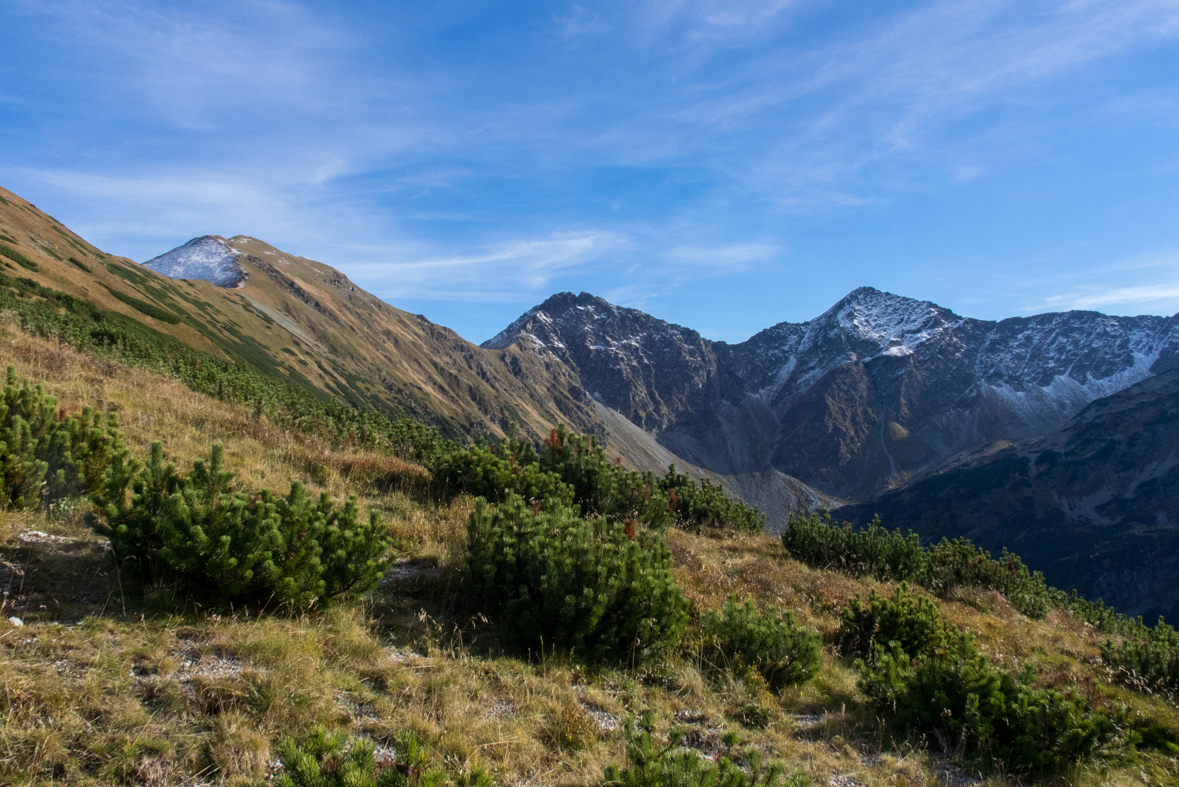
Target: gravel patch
(949, 775)
(502, 709)
(409, 569)
(607, 722)
(806, 721)
(845, 780)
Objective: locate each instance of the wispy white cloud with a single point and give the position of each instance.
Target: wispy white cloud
(506, 271)
(1146, 297)
(1143, 283)
(718, 260)
(581, 21)
(168, 204)
(713, 19)
(816, 119)
(964, 173)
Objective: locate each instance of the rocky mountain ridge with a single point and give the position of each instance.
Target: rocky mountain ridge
(876, 391)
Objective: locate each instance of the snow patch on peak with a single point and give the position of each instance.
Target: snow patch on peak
(208, 258)
(895, 324)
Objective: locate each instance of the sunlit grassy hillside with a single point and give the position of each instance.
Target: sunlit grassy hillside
(300, 321)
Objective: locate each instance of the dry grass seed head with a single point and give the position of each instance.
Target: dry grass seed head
(238, 749)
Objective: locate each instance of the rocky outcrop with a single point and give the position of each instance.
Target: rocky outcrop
(651, 371)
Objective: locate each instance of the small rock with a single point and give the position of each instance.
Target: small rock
(15, 622)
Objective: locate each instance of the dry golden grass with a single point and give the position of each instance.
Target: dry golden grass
(152, 408)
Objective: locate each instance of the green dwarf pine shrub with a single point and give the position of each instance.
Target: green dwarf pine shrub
(1146, 658)
(889, 555)
(134, 526)
(18, 258)
(705, 505)
(214, 542)
(495, 472)
(47, 454)
(601, 487)
(576, 470)
(909, 621)
(337, 760)
(600, 590)
(994, 717)
(649, 764)
(774, 645)
(925, 677)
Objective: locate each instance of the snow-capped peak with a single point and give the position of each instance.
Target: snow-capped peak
(209, 258)
(895, 324)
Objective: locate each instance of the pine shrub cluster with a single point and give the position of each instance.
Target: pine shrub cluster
(47, 454)
(649, 764)
(323, 759)
(598, 589)
(1146, 658)
(927, 677)
(495, 472)
(909, 620)
(781, 651)
(706, 505)
(891, 555)
(18, 258)
(575, 469)
(200, 534)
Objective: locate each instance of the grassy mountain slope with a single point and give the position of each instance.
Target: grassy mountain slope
(104, 685)
(304, 322)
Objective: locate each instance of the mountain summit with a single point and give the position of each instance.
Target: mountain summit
(208, 258)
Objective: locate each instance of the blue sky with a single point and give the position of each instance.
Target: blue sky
(723, 164)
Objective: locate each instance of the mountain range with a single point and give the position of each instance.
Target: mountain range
(1053, 434)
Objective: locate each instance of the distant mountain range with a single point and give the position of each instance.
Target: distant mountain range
(876, 391)
(1054, 434)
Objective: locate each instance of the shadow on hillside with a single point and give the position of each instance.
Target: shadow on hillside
(60, 578)
(420, 603)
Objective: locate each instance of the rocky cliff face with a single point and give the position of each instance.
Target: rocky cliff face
(651, 371)
(873, 393)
